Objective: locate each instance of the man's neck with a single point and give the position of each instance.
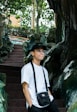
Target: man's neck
(37, 62)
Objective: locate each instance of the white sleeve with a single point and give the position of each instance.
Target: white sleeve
(47, 78)
(24, 75)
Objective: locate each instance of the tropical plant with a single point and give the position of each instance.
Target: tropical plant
(3, 94)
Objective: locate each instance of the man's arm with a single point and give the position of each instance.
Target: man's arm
(26, 93)
(49, 92)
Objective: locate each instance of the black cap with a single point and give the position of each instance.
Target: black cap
(38, 46)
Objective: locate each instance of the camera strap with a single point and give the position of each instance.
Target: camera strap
(35, 77)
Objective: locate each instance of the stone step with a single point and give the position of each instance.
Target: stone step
(16, 102)
(16, 109)
(23, 109)
(62, 110)
(15, 94)
(13, 78)
(18, 95)
(15, 58)
(13, 86)
(60, 102)
(18, 50)
(21, 103)
(18, 46)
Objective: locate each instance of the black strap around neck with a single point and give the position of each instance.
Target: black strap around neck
(35, 78)
(45, 80)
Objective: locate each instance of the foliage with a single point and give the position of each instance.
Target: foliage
(5, 44)
(5, 49)
(43, 28)
(25, 31)
(12, 6)
(73, 108)
(23, 10)
(3, 94)
(18, 31)
(51, 34)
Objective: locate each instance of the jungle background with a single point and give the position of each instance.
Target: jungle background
(53, 22)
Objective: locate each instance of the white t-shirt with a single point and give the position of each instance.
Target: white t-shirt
(27, 76)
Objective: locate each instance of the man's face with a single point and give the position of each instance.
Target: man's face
(38, 54)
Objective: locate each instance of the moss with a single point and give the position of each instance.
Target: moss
(71, 82)
(3, 94)
(73, 108)
(3, 77)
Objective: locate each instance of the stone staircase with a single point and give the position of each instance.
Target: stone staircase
(61, 105)
(16, 100)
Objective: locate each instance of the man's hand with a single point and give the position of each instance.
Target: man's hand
(26, 93)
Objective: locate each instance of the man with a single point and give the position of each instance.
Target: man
(28, 84)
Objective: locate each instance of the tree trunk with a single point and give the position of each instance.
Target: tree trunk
(37, 19)
(1, 29)
(66, 11)
(33, 16)
(58, 29)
